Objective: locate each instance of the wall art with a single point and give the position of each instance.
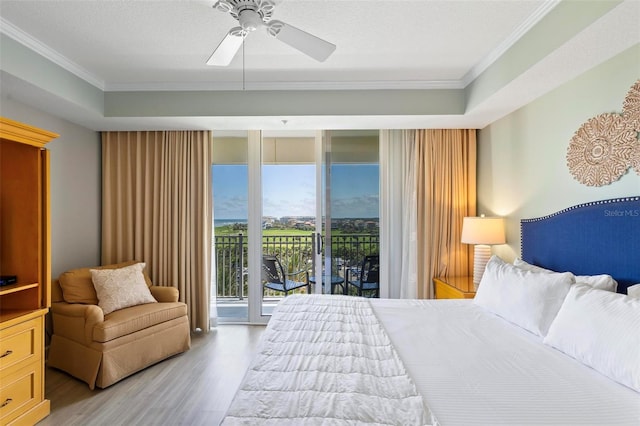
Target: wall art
(606, 146)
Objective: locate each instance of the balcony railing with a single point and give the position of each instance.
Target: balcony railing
(295, 253)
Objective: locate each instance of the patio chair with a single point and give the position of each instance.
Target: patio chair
(275, 278)
(367, 276)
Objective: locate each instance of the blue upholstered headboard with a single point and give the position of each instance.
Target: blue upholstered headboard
(601, 237)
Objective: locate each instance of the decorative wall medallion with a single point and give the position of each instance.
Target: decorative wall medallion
(631, 106)
(635, 158)
(600, 151)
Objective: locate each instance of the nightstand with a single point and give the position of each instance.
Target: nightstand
(454, 287)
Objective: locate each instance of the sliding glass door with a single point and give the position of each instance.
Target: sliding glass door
(230, 182)
(350, 198)
(288, 220)
(304, 203)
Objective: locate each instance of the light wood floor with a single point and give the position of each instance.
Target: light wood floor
(194, 388)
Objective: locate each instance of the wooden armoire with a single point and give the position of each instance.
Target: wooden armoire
(25, 246)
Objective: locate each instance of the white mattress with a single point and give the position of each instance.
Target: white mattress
(474, 368)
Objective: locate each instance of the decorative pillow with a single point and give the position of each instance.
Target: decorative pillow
(77, 286)
(634, 291)
(121, 288)
(602, 282)
(602, 330)
(528, 299)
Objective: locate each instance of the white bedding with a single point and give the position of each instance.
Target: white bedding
(474, 368)
(328, 360)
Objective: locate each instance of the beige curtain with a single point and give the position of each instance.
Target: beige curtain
(157, 208)
(446, 192)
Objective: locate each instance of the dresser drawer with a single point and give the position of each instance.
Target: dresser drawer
(20, 391)
(21, 343)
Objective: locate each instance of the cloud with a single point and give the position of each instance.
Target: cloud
(230, 207)
(291, 191)
(367, 205)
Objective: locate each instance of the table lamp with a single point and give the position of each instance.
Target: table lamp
(482, 232)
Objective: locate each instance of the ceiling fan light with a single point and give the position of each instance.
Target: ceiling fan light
(250, 20)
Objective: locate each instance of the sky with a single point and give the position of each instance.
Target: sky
(290, 190)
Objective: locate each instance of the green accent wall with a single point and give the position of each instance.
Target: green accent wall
(522, 171)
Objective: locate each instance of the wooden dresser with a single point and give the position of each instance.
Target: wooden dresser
(454, 288)
(25, 246)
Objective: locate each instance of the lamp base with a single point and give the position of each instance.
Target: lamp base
(481, 255)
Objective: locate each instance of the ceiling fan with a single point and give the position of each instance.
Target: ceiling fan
(252, 14)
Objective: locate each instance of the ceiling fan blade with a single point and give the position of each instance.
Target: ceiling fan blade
(228, 47)
(306, 43)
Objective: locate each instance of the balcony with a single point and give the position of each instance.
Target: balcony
(295, 253)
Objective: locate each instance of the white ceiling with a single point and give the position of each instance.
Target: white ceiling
(393, 44)
(137, 44)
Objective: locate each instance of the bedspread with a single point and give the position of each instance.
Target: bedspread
(327, 360)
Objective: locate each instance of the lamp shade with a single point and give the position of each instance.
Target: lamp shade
(483, 230)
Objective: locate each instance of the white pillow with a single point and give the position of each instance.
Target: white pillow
(528, 299)
(634, 291)
(529, 267)
(121, 288)
(602, 282)
(599, 282)
(602, 330)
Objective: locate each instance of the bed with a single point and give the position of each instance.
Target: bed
(554, 352)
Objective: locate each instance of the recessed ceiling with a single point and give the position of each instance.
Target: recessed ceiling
(163, 46)
(135, 44)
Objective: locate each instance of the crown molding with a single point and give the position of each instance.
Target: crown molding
(47, 52)
(520, 31)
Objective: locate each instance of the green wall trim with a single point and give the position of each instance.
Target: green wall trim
(284, 103)
(27, 65)
(561, 24)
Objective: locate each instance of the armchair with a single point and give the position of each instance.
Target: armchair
(100, 348)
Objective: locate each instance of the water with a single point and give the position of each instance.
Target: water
(223, 222)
